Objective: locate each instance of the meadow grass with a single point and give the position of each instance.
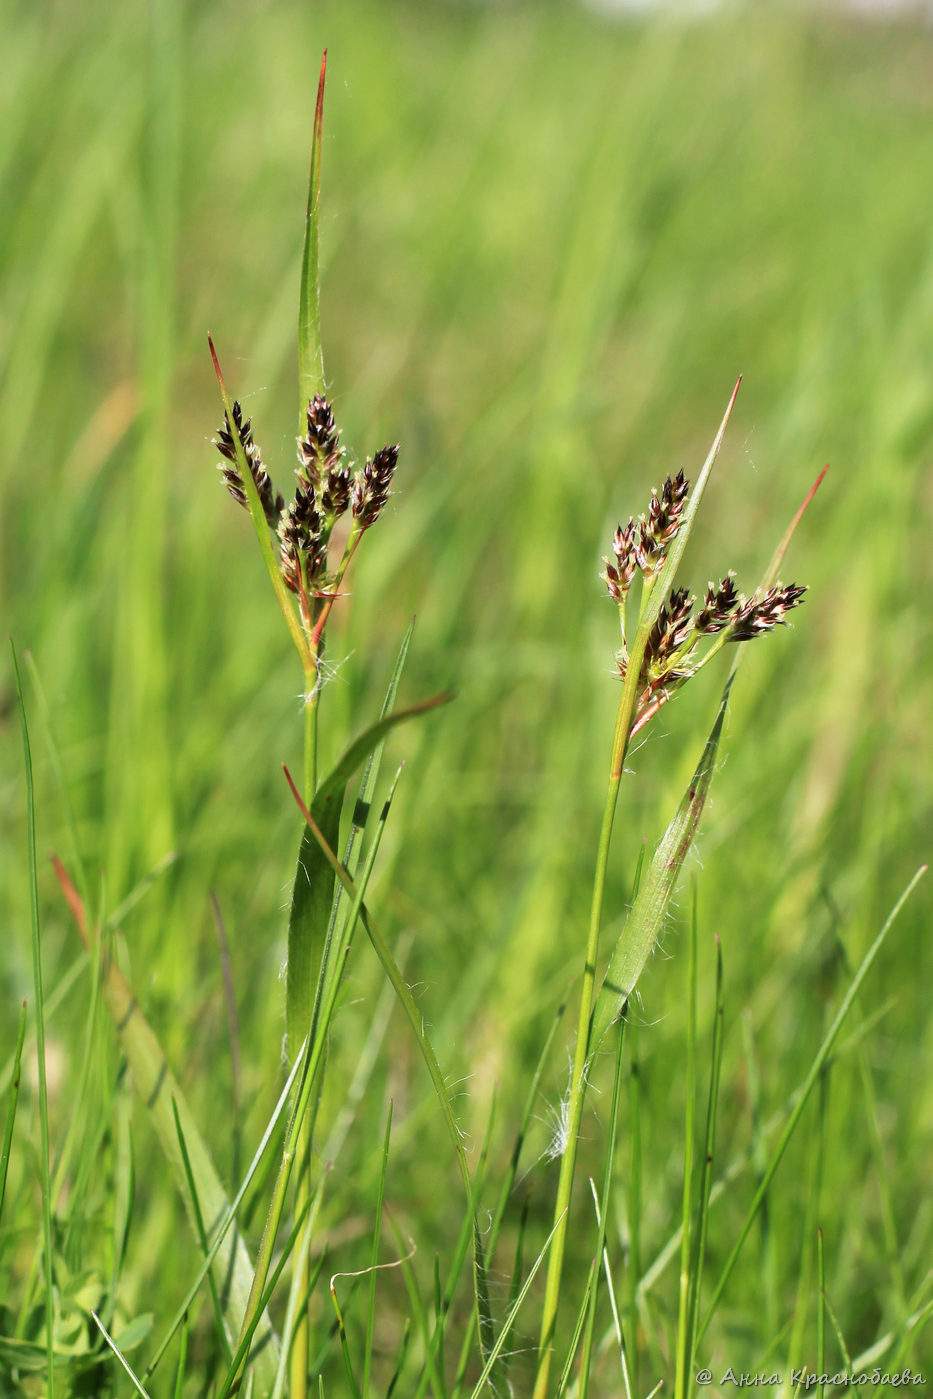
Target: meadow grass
(549, 244)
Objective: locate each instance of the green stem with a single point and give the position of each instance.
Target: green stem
(587, 993)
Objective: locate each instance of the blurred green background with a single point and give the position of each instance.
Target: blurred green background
(551, 240)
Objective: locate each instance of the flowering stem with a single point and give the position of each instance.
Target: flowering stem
(578, 1075)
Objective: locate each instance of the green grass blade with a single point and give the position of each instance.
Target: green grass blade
(245, 1340)
(374, 1258)
(222, 1327)
(602, 1215)
(344, 1345)
(182, 1359)
(298, 1300)
(706, 1176)
(509, 1180)
(418, 1310)
(646, 918)
(119, 1355)
(633, 1202)
(310, 353)
(44, 1162)
(313, 890)
(820, 1059)
(661, 590)
(681, 1382)
(510, 1319)
(11, 1110)
(400, 1363)
(820, 1309)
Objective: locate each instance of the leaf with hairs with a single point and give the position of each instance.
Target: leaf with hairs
(646, 918)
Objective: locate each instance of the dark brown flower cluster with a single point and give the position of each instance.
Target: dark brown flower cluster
(272, 502)
(642, 544)
(326, 489)
(671, 650)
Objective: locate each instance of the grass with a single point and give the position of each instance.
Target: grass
(549, 243)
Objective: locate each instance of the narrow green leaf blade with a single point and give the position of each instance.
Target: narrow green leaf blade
(313, 890)
(643, 925)
(310, 353)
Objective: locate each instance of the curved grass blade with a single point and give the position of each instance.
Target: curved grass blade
(157, 1087)
(313, 891)
(11, 1110)
(646, 918)
(310, 353)
(44, 1171)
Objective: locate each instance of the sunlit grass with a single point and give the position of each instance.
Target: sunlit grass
(549, 245)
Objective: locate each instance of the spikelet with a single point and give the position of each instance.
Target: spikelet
(272, 502)
(371, 486)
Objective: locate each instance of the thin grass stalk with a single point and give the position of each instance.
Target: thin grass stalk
(806, 1088)
(44, 1170)
(418, 1312)
(442, 1307)
(820, 1309)
(11, 1109)
(202, 1237)
(402, 1356)
(706, 1176)
(602, 1214)
(800, 1327)
(182, 1360)
(377, 1232)
(342, 1332)
(690, 1086)
(127, 1367)
(508, 1182)
(634, 1206)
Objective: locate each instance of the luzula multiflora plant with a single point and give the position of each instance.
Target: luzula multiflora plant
(664, 644)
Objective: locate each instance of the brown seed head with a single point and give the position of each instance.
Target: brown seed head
(762, 614)
(664, 512)
(371, 486)
(669, 633)
(719, 603)
(272, 502)
(319, 451)
(301, 540)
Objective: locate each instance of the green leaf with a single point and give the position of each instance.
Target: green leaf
(313, 891)
(643, 925)
(310, 354)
